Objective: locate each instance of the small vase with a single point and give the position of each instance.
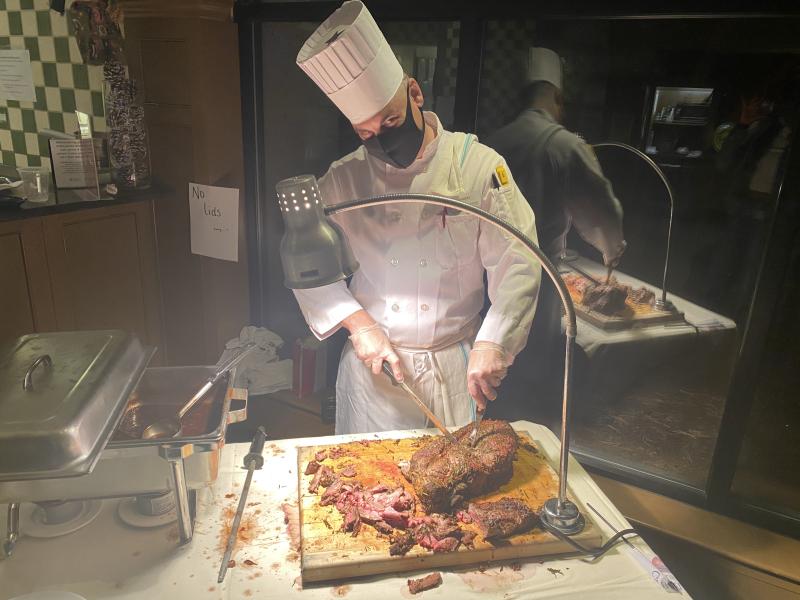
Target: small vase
(128, 149)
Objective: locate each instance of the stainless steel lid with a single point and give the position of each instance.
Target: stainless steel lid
(61, 396)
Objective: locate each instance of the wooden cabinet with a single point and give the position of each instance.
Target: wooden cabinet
(93, 268)
(26, 302)
(103, 269)
(185, 56)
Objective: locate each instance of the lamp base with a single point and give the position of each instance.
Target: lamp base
(565, 518)
(664, 305)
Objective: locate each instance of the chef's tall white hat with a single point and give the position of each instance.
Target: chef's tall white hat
(544, 65)
(350, 60)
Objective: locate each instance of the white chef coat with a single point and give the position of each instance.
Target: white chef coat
(421, 274)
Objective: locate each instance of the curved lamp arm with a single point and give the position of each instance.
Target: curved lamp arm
(661, 303)
(559, 513)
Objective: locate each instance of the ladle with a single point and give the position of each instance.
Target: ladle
(171, 426)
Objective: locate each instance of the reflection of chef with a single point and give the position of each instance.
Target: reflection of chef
(556, 171)
(416, 299)
(561, 178)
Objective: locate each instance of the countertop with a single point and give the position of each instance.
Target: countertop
(67, 201)
(108, 560)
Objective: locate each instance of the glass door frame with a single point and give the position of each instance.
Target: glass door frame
(249, 14)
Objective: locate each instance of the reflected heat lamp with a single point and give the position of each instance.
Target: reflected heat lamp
(315, 252)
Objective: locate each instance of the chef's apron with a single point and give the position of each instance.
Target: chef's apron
(366, 402)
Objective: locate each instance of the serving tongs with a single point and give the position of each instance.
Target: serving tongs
(428, 412)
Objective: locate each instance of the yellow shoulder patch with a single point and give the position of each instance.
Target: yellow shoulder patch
(502, 174)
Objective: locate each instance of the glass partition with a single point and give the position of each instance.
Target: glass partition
(714, 115)
(767, 475)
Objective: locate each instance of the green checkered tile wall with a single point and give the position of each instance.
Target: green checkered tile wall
(61, 80)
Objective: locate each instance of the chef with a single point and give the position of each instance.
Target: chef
(559, 175)
(415, 300)
(556, 170)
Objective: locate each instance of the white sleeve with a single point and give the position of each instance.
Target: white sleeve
(512, 271)
(324, 308)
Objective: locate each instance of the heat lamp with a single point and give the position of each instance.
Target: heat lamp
(315, 252)
(661, 303)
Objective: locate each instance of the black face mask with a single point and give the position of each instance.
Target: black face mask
(398, 146)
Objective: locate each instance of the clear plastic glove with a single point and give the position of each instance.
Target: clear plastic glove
(488, 365)
(373, 347)
(612, 259)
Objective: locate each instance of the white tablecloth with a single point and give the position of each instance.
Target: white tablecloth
(591, 338)
(100, 562)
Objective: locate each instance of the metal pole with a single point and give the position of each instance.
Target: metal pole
(12, 531)
(565, 408)
(181, 499)
(559, 513)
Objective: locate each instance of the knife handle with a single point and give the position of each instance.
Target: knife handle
(388, 370)
(255, 455)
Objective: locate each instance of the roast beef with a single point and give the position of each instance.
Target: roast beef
(502, 518)
(445, 474)
(605, 299)
(415, 586)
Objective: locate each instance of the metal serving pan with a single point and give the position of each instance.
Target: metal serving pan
(129, 467)
(61, 396)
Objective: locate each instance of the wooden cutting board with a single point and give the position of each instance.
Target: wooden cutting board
(328, 553)
(633, 316)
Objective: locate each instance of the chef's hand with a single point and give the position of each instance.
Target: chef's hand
(371, 345)
(488, 364)
(611, 259)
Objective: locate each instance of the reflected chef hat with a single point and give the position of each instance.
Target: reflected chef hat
(350, 60)
(544, 65)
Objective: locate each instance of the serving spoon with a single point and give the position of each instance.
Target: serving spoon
(171, 426)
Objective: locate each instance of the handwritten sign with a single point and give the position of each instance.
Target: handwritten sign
(16, 77)
(214, 217)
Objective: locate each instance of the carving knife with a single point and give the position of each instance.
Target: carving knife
(428, 412)
(253, 460)
(591, 278)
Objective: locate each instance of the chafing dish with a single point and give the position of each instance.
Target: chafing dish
(121, 464)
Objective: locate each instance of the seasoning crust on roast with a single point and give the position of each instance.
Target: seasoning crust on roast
(444, 475)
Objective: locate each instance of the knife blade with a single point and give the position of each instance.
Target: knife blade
(428, 412)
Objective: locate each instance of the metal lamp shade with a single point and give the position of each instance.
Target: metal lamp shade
(314, 250)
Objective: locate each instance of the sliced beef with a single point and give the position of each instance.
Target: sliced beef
(401, 543)
(348, 471)
(381, 507)
(321, 455)
(415, 586)
(312, 467)
(605, 299)
(642, 295)
(468, 539)
(439, 533)
(323, 477)
(337, 452)
(502, 518)
(331, 494)
(446, 474)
